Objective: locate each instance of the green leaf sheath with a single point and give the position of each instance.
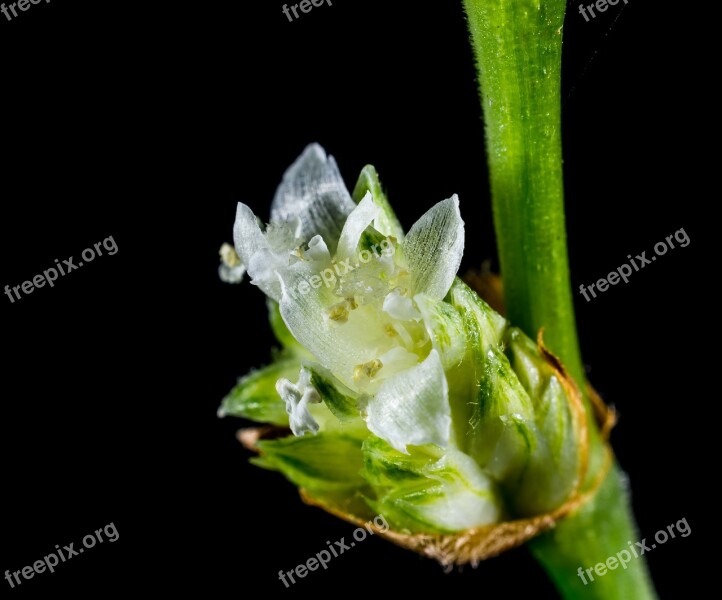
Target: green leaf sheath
(323, 462)
(518, 47)
(429, 489)
(255, 397)
(386, 223)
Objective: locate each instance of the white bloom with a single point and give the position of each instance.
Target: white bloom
(297, 398)
(357, 316)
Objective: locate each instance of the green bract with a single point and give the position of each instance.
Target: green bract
(405, 393)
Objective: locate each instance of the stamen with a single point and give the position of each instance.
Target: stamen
(339, 312)
(229, 257)
(367, 370)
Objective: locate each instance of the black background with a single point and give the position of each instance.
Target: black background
(150, 125)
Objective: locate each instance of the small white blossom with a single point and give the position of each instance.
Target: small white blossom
(297, 398)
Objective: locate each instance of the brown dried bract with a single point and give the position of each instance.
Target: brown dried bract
(466, 547)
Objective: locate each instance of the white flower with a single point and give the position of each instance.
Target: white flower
(362, 313)
(297, 398)
(419, 390)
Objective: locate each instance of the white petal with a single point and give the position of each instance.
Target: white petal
(297, 398)
(413, 407)
(433, 248)
(360, 218)
(313, 191)
(396, 360)
(305, 311)
(400, 307)
(284, 235)
(266, 266)
(263, 269)
(338, 346)
(247, 235)
(317, 250)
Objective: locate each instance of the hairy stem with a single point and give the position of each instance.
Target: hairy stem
(518, 47)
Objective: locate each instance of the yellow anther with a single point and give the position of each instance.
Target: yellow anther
(229, 257)
(339, 312)
(367, 370)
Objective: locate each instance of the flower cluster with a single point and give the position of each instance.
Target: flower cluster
(405, 394)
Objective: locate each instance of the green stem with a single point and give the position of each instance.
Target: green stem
(518, 46)
(602, 528)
